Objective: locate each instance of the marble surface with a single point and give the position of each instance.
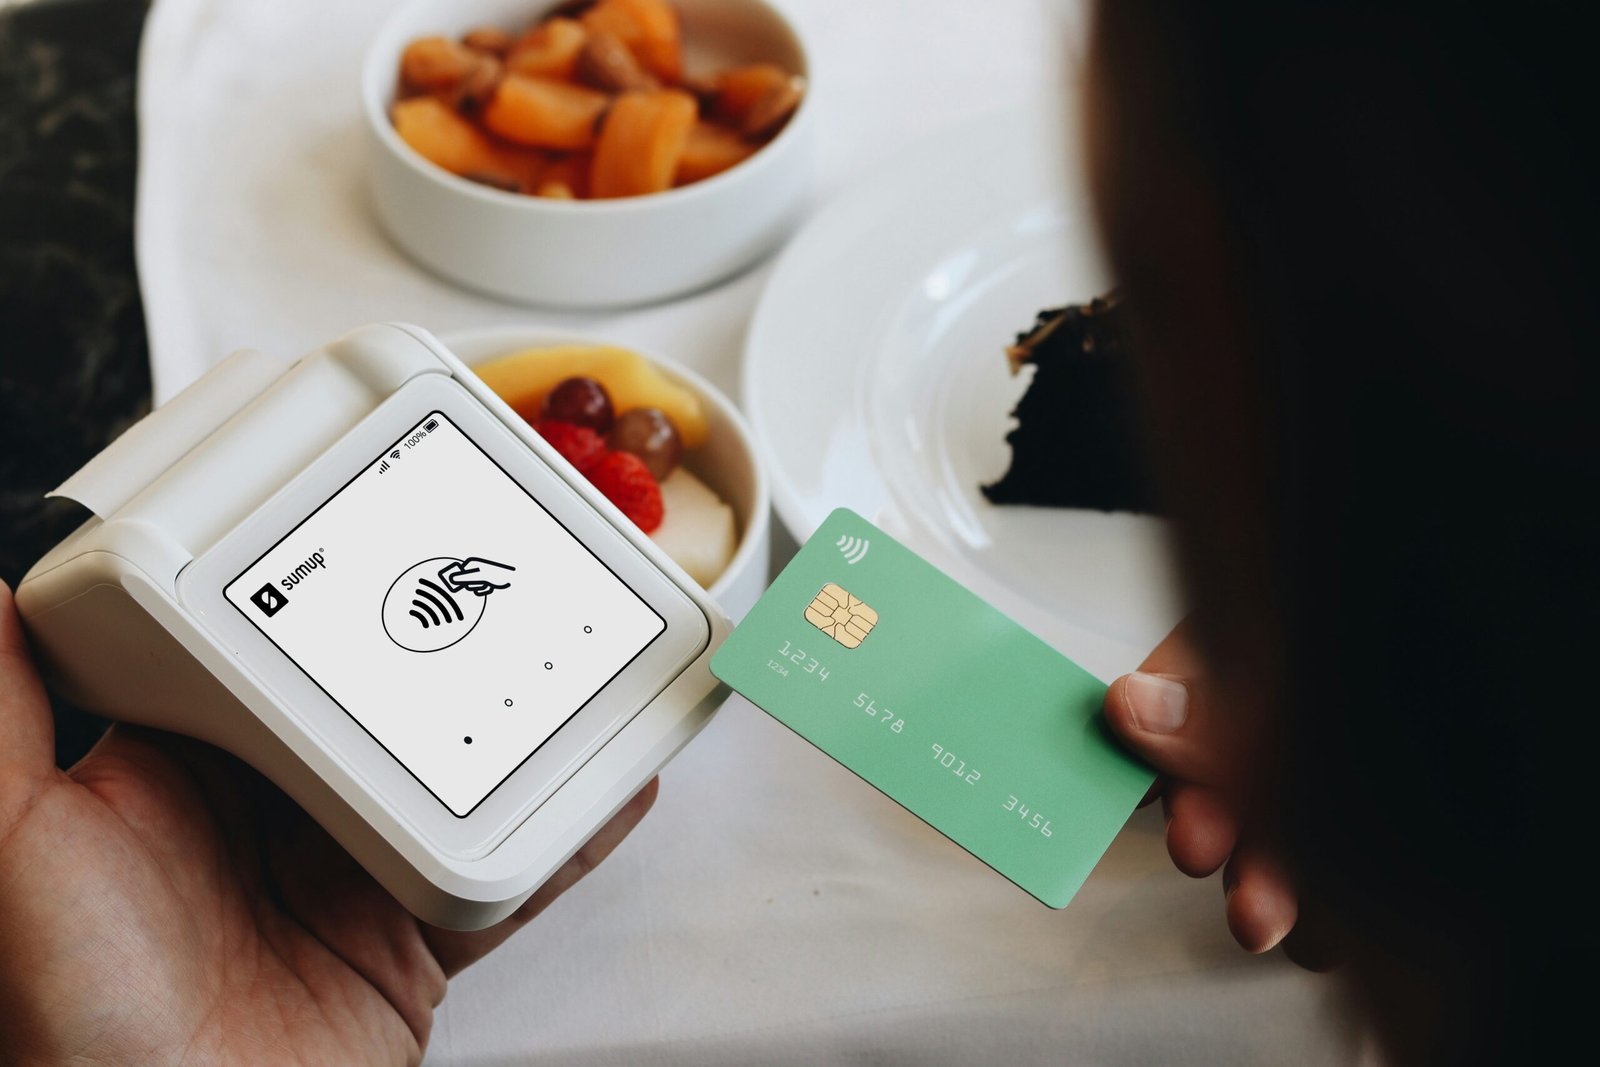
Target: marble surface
(74, 369)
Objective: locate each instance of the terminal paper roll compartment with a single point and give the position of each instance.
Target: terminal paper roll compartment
(367, 577)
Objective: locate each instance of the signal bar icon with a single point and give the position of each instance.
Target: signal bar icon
(853, 549)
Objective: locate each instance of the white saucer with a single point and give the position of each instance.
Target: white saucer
(876, 379)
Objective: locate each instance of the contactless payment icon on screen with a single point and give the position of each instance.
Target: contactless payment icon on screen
(435, 603)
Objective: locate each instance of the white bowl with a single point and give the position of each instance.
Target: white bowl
(594, 253)
(726, 462)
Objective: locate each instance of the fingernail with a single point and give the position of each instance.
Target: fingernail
(1159, 705)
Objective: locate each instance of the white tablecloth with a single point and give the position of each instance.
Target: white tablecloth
(772, 908)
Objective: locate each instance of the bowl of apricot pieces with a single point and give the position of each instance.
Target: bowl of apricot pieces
(590, 154)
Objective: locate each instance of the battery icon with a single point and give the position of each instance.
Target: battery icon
(430, 426)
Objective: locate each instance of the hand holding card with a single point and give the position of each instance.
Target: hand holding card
(1210, 763)
(941, 702)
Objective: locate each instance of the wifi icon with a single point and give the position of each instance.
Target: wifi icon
(395, 454)
(853, 549)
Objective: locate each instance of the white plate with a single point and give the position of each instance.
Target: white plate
(876, 379)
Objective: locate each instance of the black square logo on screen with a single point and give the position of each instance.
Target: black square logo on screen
(269, 600)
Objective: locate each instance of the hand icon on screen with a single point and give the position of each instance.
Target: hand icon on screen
(476, 575)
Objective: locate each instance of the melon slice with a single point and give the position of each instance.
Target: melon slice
(699, 531)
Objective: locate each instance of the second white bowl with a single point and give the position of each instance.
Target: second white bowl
(593, 253)
(727, 462)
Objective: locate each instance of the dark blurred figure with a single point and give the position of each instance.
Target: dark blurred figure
(1358, 240)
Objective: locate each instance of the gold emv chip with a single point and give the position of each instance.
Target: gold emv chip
(841, 615)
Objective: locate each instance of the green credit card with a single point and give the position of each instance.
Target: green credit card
(957, 713)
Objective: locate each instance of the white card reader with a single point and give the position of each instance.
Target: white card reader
(367, 577)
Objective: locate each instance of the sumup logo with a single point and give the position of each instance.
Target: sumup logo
(303, 571)
(270, 601)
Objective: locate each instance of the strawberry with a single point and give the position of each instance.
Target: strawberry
(578, 445)
(625, 481)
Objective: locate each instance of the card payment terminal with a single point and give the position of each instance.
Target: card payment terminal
(367, 577)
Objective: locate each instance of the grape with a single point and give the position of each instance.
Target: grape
(650, 435)
(582, 402)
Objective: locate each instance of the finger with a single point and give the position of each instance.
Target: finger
(1168, 721)
(1163, 713)
(1173, 658)
(27, 732)
(456, 951)
(1317, 942)
(1202, 829)
(1261, 903)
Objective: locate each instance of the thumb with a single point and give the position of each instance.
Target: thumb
(27, 733)
(1164, 713)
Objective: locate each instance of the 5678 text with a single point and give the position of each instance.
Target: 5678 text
(882, 714)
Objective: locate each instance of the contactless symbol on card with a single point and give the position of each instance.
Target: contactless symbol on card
(841, 615)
